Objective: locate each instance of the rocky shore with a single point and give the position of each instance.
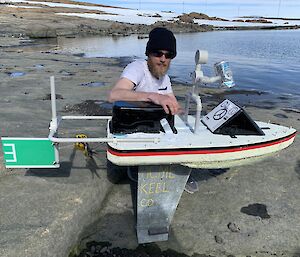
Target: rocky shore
(76, 211)
(42, 21)
(34, 23)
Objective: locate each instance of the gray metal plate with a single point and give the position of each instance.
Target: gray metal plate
(159, 192)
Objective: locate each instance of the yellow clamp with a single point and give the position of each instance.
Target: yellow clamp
(83, 146)
(79, 145)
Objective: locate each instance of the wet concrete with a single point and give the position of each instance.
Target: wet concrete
(256, 209)
(16, 74)
(297, 168)
(93, 84)
(105, 249)
(57, 97)
(91, 107)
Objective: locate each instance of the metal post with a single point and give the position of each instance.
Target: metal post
(53, 104)
(187, 108)
(197, 99)
(198, 102)
(159, 192)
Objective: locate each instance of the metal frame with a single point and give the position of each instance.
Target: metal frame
(197, 99)
(201, 57)
(157, 204)
(55, 122)
(163, 200)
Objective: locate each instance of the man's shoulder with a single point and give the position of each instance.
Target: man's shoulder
(136, 66)
(135, 71)
(138, 63)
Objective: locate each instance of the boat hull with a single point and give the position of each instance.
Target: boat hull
(204, 150)
(200, 158)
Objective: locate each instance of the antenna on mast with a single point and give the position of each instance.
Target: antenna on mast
(279, 4)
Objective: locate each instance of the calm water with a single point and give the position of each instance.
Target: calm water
(266, 61)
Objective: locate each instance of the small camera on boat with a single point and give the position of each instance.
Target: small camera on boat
(223, 70)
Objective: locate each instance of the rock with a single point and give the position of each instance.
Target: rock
(179, 26)
(156, 15)
(199, 16)
(143, 36)
(196, 15)
(233, 227)
(41, 32)
(259, 21)
(219, 239)
(238, 20)
(280, 115)
(186, 18)
(66, 73)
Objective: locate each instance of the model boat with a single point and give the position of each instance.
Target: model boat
(225, 137)
(235, 140)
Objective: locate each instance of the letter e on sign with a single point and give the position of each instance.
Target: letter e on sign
(12, 153)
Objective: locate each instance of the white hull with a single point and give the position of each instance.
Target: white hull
(201, 150)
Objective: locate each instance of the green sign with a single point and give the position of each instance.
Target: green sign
(29, 153)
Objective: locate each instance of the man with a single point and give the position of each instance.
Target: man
(147, 80)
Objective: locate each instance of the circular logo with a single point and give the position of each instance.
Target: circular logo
(220, 114)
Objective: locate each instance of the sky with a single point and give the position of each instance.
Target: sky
(220, 8)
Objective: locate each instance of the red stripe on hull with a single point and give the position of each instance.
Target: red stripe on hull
(206, 151)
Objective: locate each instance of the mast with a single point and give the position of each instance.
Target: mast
(279, 5)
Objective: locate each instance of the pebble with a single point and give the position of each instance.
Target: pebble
(280, 115)
(93, 84)
(233, 227)
(66, 73)
(16, 74)
(39, 66)
(48, 97)
(219, 239)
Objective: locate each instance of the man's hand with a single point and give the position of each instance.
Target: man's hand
(123, 90)
(168, 102)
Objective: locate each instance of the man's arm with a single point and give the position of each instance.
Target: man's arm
(123, 90)
(168, 102)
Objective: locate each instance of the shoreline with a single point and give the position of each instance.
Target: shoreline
(22, 23)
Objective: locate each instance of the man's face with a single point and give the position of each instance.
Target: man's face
(159, 63)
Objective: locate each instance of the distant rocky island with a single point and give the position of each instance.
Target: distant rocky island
(38, 20)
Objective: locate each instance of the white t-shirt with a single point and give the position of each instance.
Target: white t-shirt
(138, 72)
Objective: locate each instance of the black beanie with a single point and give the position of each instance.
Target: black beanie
(161, 39)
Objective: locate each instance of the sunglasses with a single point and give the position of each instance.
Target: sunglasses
(158, 53)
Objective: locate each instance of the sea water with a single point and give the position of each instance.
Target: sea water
(263, 60)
